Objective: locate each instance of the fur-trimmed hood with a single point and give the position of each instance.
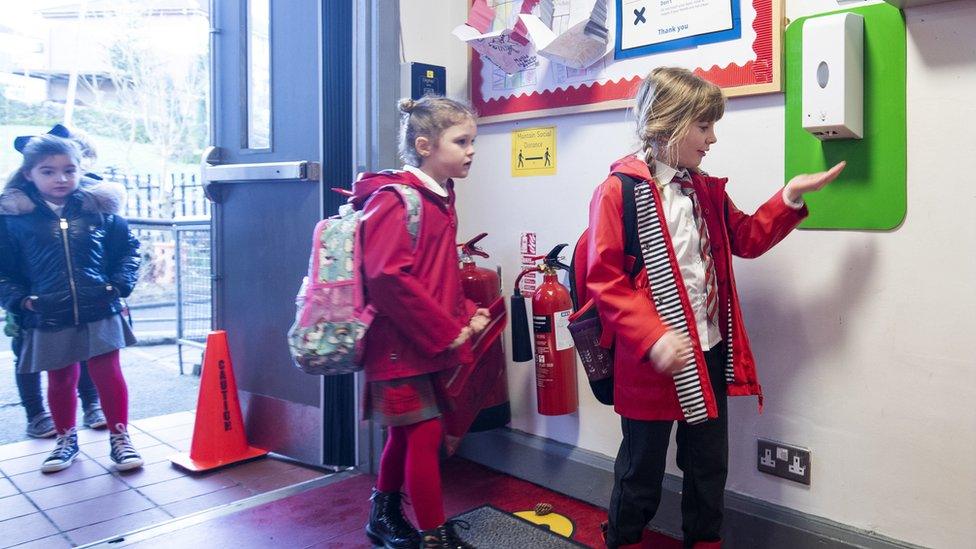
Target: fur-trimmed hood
(104, 197)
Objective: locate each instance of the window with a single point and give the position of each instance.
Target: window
(258, 75)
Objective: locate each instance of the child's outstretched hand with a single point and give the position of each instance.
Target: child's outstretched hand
(668, 354)
(810, 182)
(479, 321)
(460, 339)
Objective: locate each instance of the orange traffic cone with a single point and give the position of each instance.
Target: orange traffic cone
(218, 434)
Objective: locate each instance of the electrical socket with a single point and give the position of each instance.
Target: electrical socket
(784, 460)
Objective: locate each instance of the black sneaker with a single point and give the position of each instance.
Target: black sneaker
(123, 454)
(94, 418)
(41, 426)
(64, 453)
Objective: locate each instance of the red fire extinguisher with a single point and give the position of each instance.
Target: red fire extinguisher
(555, 357)
(483, 286)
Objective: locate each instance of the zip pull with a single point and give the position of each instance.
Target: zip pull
(64, 224)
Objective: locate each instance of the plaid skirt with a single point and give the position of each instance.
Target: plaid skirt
(403, 401)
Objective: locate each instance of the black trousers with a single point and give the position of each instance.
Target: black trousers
(703, 451)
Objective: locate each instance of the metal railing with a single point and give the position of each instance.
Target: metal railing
(175, 281)
(156, 197)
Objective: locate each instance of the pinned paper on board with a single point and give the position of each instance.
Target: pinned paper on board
(579, 47)
(516, 48)
(509, 48)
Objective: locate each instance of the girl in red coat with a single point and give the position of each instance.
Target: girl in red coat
(423, 321)
(680, 344)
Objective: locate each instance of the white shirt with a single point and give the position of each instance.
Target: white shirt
(427, 180)
(57, 209)
(680, 216)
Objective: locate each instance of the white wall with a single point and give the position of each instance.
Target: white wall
(863, 339)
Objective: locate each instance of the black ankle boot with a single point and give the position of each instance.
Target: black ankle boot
(387, 527)
(444, 536)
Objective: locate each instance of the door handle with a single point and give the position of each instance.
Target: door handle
(212, 172)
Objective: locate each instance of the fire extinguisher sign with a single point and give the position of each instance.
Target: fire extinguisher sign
(544, 367)
(564, 340)
(527, 249)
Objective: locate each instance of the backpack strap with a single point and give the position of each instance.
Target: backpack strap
(631, 238)
(577, 267)
(411, 199)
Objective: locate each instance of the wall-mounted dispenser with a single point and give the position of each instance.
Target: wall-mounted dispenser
(913, 3)
(833, 76)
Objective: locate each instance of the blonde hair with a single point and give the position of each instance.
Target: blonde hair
(427, 117)
(667, 103)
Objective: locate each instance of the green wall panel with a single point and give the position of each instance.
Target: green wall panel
(871, 193)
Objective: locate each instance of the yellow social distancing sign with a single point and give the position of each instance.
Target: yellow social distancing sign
(534, 151)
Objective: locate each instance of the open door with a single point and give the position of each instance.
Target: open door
(281, 104)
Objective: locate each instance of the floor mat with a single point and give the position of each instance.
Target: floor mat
(492, 527)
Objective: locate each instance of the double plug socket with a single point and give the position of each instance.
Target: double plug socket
(784, 460)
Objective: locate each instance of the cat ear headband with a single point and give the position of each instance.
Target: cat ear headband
(58, 131)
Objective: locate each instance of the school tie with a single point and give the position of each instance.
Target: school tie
(704, 246)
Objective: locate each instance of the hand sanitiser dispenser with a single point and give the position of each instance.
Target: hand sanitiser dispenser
(833, 76)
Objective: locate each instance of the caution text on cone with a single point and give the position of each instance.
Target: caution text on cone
(218, 433)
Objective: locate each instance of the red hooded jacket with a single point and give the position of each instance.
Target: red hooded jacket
(627, 311)
(416, 290)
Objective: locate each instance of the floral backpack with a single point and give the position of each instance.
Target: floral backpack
(328, 334)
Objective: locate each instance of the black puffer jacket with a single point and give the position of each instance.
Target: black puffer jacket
(75, 266)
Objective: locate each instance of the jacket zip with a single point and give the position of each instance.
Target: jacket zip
(71, 274)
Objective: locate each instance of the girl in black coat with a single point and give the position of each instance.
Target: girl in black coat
(68, 259)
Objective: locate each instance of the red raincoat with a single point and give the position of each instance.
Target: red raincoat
(416, 291)
(627, 312)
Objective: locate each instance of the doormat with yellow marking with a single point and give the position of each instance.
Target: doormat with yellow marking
(492, 527)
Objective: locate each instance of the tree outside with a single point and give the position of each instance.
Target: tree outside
(137, 72)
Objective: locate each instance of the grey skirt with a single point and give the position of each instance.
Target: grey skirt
(45, 350)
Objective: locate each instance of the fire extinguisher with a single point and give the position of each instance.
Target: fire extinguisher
(483, 286)
(555, 357)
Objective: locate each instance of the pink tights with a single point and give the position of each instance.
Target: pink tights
(106, 372)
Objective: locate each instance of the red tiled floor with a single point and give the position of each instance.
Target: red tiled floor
(286, 478)
(15, 506)
(16, 466)
(94, 501)
(35, 480)
(56, 541)
(80, 490)
(182, 445)
(26, 528)
(150, 455)
(173, 434)
(7, 488)
(98, 509)
(259, 468)
(92, 435)
(116, 526)
(26, 448)
(100, 448)
(185, 487)
(162, 422)
(208, 501)
(151, 474)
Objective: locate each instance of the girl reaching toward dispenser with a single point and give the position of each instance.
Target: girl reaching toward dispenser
(680, 344)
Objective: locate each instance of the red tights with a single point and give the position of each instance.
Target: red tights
(410, 459)
(106, 372)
